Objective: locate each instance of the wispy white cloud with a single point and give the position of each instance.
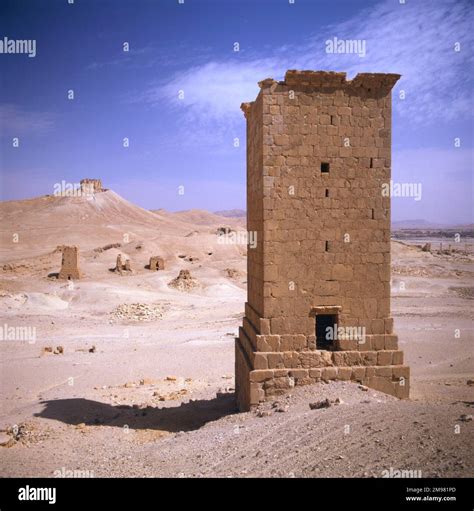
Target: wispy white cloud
(152, 55)
(415, 39)
(16, 121)
(144, 56)
(207, 98)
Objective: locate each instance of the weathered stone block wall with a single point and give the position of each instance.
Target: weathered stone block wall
(255, 205)
(326, 234)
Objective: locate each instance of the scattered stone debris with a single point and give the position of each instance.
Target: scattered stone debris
(325, 403)
(59, 350)
(426, 247)
(6, 440)
(263, 413)
(225, 391)
(411, 271)
(107, 247)
(26, 433)
(363, 388)
(17, 432)
(465, 418)
(464, 292)
(139, 311)
(146, 381)
(470, 382)
(171, 378)
(233, 273)
(170, 396)
(92, 349)
(184, 281)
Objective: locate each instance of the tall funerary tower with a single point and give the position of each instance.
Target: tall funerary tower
(318, 307)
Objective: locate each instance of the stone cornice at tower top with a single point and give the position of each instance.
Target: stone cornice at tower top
(331, 79)
(322, 80)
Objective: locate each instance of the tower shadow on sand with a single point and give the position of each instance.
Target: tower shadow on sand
(185, 417)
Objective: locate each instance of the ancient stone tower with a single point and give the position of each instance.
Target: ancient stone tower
(318, 153)
(156, 263)
(90, 186)
(70, 263)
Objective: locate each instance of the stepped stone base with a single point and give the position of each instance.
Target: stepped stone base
(270, 365)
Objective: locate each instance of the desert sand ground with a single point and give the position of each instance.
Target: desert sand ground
(147, 389)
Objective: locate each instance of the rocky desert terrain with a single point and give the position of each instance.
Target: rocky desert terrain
(127, 375)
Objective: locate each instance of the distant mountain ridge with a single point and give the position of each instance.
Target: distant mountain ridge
(232, 213)
(420, 224)
(200, 217)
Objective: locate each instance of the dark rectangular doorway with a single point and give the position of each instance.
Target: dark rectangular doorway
(325, 337)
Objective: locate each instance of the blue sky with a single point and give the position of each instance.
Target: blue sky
(189, 142)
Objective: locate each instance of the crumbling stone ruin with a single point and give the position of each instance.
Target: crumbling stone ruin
(184, 281)
(121, 266)
(107, 247)
(157, 263)
(69, 263)
(90, 186)
(318, 308)
(221, 231)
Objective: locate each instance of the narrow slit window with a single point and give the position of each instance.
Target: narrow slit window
(371, 163)
(327, 246)
(324, 167)
(327, 192)
(373, 214)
